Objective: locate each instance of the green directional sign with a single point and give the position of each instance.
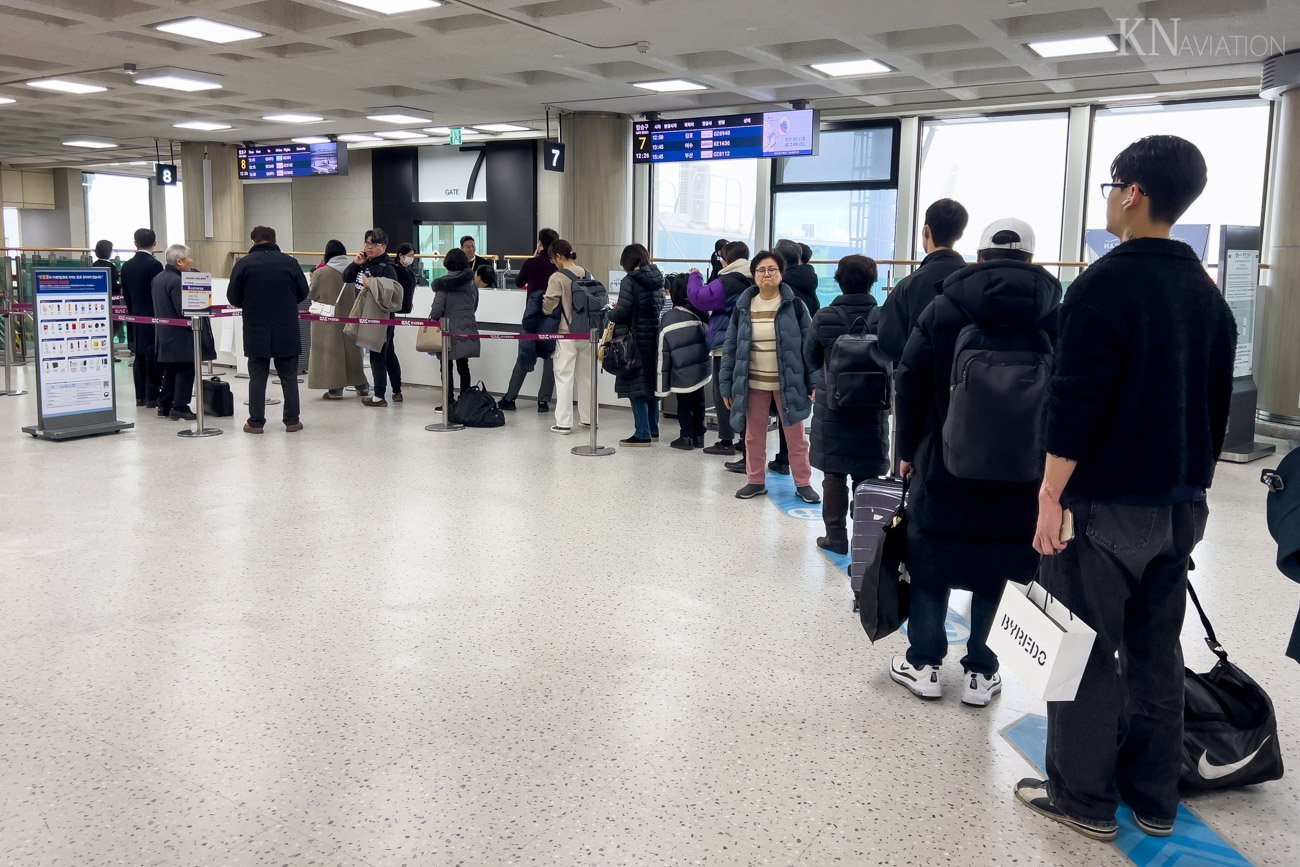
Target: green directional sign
(457, 136)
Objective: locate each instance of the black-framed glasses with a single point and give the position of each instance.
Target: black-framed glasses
(1118, 185)
(771, 269)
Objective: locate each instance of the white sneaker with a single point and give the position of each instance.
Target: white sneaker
(923, 682)
(979, 690)
(555, 428)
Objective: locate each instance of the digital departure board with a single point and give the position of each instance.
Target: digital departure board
(292, 161)
(726, 137)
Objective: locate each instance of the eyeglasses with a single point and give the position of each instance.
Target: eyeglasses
(771, 269)
(1119, 185)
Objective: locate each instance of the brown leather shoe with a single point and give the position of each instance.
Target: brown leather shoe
(253, 429)
(374, 401)
(397, 397)
(293, 428)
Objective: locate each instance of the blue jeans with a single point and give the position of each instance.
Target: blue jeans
(645, 417)
(928, 633)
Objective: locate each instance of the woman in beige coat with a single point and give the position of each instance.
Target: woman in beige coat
(335, 360)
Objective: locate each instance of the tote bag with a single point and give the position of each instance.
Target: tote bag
(429, 339)
(1040, 641)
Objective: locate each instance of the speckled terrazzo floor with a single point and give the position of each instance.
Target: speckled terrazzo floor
(369, 644)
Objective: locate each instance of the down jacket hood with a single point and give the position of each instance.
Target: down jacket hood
(1003, 292)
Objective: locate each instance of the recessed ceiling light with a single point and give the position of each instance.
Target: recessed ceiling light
(62, 85)
(4, 100)
(844, 68)
(311, 139)
(293, 118)
(502, 127)
(84, 142)
(178, 79)
(1128, 97)
(400, 134)
(393, 7)
(208, 30)
(438, 130)
(204, 125)
(671, 85)
(358, 136)
(1051, 48)
(397, 114)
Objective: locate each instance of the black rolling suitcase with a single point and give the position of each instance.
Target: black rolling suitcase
(217, 398)
(880, 588)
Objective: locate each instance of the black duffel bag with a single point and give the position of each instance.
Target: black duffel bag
(476, 408)
(1229, 728)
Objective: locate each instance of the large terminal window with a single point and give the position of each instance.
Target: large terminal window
(116, 205)
(842, 201)
(997, 166)
(1233, 136)
(696, 203)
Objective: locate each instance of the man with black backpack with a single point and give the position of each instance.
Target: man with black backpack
(1136, 418)
(970, 394)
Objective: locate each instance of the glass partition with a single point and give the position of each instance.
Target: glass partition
(696, 203)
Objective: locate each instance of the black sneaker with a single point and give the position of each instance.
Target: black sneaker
(749, 492)
(697, 442)
(1153, 827)
(1033, 794)
(808, 494)
(836, 546)
(634, 442)
(181, 415)
(735, 466)
(543, 406)
(506, 405)
(780, 469)
(683, 443)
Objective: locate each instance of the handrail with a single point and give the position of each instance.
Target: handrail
(1263, 266)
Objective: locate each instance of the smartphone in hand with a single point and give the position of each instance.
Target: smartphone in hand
(1067, 526)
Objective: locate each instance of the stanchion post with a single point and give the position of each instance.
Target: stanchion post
(9, 391)
(446, 426)
(196, 328)
(594, 449)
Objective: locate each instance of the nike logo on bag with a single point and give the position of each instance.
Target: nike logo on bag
(1210, 771)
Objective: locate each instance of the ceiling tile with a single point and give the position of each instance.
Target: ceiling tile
(1080, 22)
(295, 49)
(40, 17)
(396, 91)
(627, 69)
(961, 57)
(540, 77)
(366, 38)
(288, 14)
(764, 78)
(814, 50)
(1100, 66)
(1000, 91)
(152, 39)
(1201, 10)
(929, 37)
(14, 63)
(715, 60)
(457, 23)
(556, 8)
(1112, 82)
(992, 75)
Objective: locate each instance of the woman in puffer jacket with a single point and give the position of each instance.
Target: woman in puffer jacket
(684, 364)
(640, 301)
(717, 298)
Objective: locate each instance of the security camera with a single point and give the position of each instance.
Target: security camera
(652, 116)
(249, 144)
(799, 104)
(129, 68)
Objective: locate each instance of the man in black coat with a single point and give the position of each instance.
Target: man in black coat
(945, 221)
(174, 344)
(374, 261)
(137, 290)
(799, 275)
(1136, 418)
(268, 286)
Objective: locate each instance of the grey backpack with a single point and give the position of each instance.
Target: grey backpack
(994, 429)
(590, 303)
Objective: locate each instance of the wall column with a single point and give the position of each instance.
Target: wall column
(226, 195)
(1277, 363)
(596, 198)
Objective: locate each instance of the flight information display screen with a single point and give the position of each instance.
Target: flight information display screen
(726, 137)
(292, 161)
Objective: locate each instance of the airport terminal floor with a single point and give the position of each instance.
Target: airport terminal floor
(370, 644)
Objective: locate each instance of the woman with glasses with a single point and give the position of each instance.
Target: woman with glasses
(763, 364)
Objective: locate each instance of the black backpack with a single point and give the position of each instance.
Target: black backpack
(857, 372)
(476, 408)
(994, 429)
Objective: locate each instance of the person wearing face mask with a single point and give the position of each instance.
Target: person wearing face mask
(455, 301)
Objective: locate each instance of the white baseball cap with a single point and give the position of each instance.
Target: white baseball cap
(1007, 234)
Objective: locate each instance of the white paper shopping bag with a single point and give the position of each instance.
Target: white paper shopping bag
(1041, 642)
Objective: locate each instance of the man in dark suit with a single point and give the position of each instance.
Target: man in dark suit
(137, 282)
(268, 286)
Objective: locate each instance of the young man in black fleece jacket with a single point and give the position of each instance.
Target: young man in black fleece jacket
(1136, 418)
(945, 221)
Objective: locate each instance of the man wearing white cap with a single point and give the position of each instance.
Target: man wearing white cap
(969, 437)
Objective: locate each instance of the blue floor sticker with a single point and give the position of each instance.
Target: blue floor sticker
(1193, 842)
(781, 491)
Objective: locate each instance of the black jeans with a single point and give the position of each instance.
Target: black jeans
(690, 413)
(385, 366)
(836, 496)
(726, 433)
(927, 629)
(462, 373)
(547, 390)
(177, 386)
(287, 369)
(1125, 575)
(147, 373)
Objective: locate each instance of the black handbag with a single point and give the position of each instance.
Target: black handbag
(476, 408)
(621, 356)
(217, 398)
(1229, 727)
(885, 598)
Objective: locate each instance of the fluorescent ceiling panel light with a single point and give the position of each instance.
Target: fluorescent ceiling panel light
(393, 7)
(1052, 48)
(400, 134)
(671, 85)
(208, 30)
(4, 100)
(398, 115)
(83, 142)
(1128, 97)
(845, 68)
(204, 125)
(293, 118)
(358, 136)
(62, 85)
(311, 139)
(438, 130)
(178, 79)
(503, 127)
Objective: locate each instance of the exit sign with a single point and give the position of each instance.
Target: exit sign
(457, 136)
